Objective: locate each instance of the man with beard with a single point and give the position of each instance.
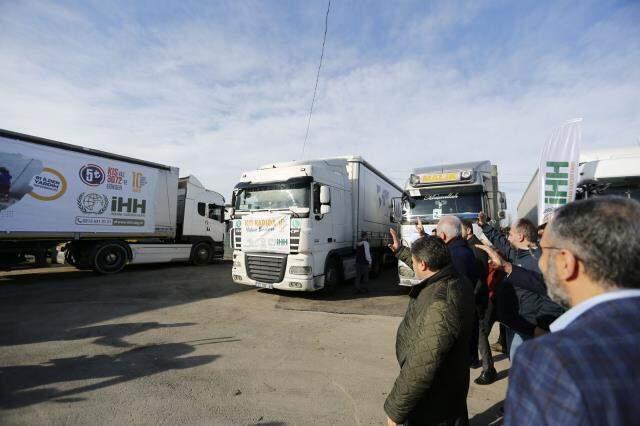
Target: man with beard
(586, 372)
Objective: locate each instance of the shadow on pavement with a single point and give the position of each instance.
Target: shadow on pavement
(492, 416)
(391, 299)
(18, 383)
(105, 335)
(63, 303)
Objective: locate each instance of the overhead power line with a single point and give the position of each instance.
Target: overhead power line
(315, 88)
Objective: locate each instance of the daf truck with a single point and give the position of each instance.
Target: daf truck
(463, 190)
(108, 209)
(295, 225)
(609, 171)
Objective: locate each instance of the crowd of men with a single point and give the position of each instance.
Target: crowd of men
(569, 306)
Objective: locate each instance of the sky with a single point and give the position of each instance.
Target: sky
(219, 87)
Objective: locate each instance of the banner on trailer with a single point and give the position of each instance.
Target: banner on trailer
(559, 169)
(49, 189)
(266, 232)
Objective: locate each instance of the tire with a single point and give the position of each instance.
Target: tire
(201, 254)
(332, 275)
(110, 258)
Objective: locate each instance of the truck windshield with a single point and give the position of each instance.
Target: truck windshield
(273, 196)
(440, 203)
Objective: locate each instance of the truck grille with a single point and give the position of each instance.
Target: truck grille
(266, 268)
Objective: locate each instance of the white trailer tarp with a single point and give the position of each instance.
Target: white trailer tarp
(50, 189)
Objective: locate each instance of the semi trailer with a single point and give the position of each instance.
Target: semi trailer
(108, 209)
(296, 224)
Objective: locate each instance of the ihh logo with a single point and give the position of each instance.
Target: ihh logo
(130, 205)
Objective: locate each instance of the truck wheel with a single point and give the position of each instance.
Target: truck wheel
(332, 276)
(110, 258)
(201, 254)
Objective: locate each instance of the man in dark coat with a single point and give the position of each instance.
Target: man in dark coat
(432, 340)
(484, 307)
(449, 229)
(525, 313)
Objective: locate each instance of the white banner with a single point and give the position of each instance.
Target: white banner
(49, 189)
(558, 170)
(266, 232)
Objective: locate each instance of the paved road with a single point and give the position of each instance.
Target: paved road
(176, 344)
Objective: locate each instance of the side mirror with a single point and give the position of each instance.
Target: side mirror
(503, 201)
(325, 209)
(325, 195)
(395, 208)
(228, 213)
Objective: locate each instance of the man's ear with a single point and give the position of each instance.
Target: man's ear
(568, 266)
(423, 265)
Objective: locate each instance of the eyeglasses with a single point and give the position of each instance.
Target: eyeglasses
(543, 248)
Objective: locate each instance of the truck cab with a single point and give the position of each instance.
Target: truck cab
(284, 225)
(463, 190)
(295, 224)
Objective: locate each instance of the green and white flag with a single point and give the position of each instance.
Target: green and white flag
(559, 168)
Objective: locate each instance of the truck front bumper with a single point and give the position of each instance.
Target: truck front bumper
(290, 282)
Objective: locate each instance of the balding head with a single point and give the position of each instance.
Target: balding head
(449, 227)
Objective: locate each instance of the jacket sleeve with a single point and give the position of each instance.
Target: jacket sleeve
(541, 390)
(436, 335)
(529, 280)
(498, 239)
(507, 310)
(404, 254)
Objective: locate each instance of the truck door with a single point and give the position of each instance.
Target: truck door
(322, 234)
(215, 222)
(201, 221)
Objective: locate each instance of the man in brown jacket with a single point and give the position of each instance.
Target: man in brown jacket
(432, 344)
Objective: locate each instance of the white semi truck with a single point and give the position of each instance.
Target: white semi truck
(609, 171)
(110, 210)
(463, 190)
(296, 224)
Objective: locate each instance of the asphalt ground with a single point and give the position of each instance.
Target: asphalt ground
(179, 344)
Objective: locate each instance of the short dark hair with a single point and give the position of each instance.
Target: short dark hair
(431, 250)
(467, 224)
(528, 229)
(603, 232)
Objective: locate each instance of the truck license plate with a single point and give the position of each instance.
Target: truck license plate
(264, 285)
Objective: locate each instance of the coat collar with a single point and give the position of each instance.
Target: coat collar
(445, 272)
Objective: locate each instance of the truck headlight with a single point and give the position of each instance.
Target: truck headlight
(237, 264)
(300, 270)
(465, 174)
(414, 180)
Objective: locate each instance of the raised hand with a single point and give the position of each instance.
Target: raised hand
(494, 257)
(420, 228)
(395, 245)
